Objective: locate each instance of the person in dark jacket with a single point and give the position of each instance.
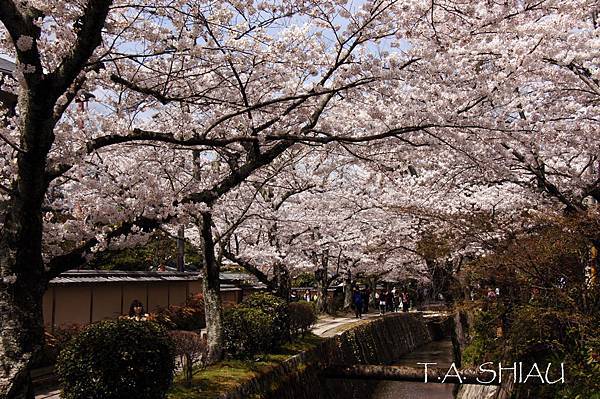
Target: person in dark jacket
(358, 303)
(397, 301)
(389, 301)
(366, 294)
(405, 301)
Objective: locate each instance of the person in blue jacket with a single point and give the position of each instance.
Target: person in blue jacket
(358, 303)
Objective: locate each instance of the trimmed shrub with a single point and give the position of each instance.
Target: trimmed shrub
(247, 331)
(302, 317)
(116, 359)
(277, 309)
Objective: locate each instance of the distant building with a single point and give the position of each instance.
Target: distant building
(7, 99)
(86, 296)
(7, 67)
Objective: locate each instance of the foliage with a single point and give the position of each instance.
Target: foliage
(215, 380)
(55, 341)
(117, 359)
(247, 331)
(191, 349)
(483, 345)
(160, 249)
(547, 309)
(305, 279)
(302, 316)
(277, 309)
(189, 317)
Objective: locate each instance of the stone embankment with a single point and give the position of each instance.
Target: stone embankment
(379, 340)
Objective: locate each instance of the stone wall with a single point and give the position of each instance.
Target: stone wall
(485, 391)
(462, 324)
(377, 341)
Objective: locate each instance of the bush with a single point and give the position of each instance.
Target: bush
(189, 317)
(54, 342)
(191, 349)
(117, 359)
(277, 309)
(302, 317)
(247, 331)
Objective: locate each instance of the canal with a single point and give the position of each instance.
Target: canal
(439, 352)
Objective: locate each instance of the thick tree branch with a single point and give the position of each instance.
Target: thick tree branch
(250, 268)
(547, 186)
(148, 135)
(88, 38)
(76, 257)
(18, 20)
(209, 196)
(12, 18)
(290, 194)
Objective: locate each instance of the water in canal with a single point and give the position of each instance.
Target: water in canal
(439, 352)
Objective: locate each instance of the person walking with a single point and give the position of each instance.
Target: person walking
(307, 296)
(358, 303)
(405, 301)
(397, 301)
(389, 301)
(381, 299)
(366, 295)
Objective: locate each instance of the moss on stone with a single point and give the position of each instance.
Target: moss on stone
(228, 375)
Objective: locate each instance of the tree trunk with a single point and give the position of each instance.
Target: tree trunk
(181, 249)
(372, 281)
(348, 290)
(282, 280)
(211, 286)
(21, 329)
(188, 368)
(323, 299)
(22, 286)
(22, 276)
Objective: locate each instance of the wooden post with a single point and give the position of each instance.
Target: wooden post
(181, 249)
(53, 308)
(91, 303)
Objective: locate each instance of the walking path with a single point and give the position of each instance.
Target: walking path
(326, 326)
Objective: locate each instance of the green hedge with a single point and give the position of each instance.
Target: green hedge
(277, 309)
(302, 317)
(117, 359)
(263, 322)
(247, 331)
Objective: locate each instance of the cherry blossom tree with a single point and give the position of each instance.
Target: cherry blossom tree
(208, 94)
(188, 99)
(48, 78)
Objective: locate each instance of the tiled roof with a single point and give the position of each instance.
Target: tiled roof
(103, 276)
(6, 66)
(241, 278)
(117, 276)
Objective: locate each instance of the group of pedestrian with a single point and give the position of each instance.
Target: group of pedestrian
(392, 301)
(388, 301)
